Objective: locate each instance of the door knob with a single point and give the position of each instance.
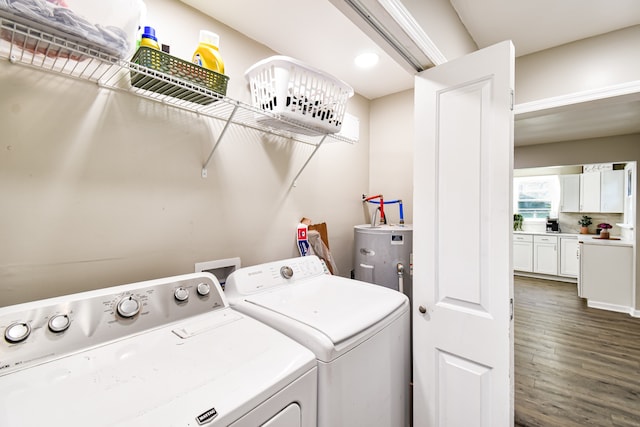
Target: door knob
(422, 309)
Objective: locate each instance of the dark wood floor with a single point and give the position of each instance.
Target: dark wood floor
(574, 366)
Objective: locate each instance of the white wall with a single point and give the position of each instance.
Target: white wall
(391, 152)
(592, 63)
(101, 188)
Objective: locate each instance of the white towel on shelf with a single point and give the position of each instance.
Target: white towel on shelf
(111, 39)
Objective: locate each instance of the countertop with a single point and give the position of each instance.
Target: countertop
(590, 239)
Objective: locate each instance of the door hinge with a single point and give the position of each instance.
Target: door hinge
(511, 308)
(512, 99)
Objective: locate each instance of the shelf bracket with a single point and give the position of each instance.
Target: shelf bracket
(224, 129)
(315, 150)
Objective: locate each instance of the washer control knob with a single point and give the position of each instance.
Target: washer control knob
(59, 323)
(286, 272)
(17, 332)
(204, 289)
(128, 306)
(181, 294)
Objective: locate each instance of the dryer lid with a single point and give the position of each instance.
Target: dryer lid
(337, 307)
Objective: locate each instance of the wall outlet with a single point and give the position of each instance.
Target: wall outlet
(221, 268)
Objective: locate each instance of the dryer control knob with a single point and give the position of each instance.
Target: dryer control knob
(181, 294)
(128, 306)
(204, 289)
(286, 272)
(59, 323)
(17, 332)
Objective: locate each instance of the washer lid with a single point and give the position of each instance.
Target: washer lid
(220, 364)
(337, 307)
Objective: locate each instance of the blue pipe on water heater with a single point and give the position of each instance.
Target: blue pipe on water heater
(390, 202)
(386, 202)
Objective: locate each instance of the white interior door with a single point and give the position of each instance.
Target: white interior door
(463, 281)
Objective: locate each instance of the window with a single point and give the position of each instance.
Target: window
(536, 196)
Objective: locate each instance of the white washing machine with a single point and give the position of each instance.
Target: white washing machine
(358, 331)
(166, 352)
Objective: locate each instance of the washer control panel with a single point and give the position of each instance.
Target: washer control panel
(249, 280)
(39, 331)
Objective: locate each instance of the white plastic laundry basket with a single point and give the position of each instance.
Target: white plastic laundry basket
(299, 94)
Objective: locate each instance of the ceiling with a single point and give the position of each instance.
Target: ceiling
(543, 24)
(318, 33)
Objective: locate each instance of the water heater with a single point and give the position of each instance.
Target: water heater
(384, 256)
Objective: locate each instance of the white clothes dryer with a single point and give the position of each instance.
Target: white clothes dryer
(166, 352)
(359, 333)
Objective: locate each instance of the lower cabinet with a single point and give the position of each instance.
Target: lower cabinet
(545, 255)
(523, 252)
(569, 257)
(548, 254)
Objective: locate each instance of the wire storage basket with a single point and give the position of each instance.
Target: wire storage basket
(313, 102)
(168, 65)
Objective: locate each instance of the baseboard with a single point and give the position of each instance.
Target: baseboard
(613, 307)
(546, 276)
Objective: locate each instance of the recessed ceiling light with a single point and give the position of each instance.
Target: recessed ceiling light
(366, 60)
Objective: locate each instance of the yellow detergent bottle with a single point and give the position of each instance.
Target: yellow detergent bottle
(207, 54)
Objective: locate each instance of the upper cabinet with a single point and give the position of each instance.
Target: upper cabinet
(590, 192)
(570, 193)
(600, 191)
(612, 191)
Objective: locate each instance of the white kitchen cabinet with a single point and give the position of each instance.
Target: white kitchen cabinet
(523, 252)
(612, 191)
(606, 276)
(570, 193)
(590, 192)
(602, 191)
(545, 255)
(569, 257)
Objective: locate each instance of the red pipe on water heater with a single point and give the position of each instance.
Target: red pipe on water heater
(379, 196)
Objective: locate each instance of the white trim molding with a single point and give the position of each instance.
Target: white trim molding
(613, 307)
(604, 94)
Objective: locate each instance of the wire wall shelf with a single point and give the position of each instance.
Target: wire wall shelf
(36, 46)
